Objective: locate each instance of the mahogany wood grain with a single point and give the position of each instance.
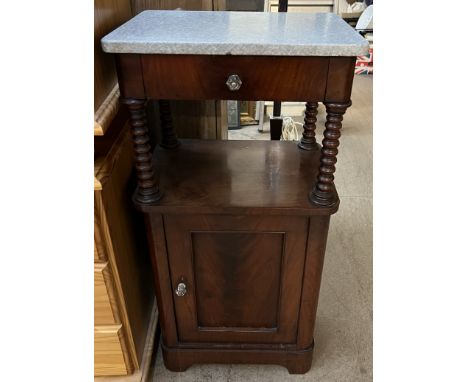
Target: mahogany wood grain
(237, 177)
(315, 253)
(237, 287)
(340, 79)
(204, 77)
(130, 76)
(234, 344)
(179, 359)
(241, 275)
(242, 223)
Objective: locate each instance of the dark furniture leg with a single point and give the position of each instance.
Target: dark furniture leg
(148, 191)
(276, 122)
(283, 6)
(324, 194)
(308, 141)
(169, 138)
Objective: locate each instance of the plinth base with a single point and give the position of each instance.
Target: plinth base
(180, 359)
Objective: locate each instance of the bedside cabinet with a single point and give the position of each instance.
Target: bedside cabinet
(123, 287)
(237, 229)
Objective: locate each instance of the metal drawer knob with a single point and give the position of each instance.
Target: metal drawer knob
(181, 290)
(234, 82)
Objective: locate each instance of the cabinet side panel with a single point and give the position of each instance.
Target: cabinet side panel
(108, 15)
(130, 77)
(162, 280)
(316, 244)
(203, 77)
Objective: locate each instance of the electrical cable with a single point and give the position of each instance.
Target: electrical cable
(289, 131)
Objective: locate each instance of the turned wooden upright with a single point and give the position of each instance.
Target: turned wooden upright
(237, 229)
(337, 99)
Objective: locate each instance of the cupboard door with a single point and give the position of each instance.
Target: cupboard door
(236, 278)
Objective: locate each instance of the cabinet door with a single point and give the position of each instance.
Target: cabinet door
(242, 276)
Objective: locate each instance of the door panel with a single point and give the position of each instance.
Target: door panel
(236, 286)
(243, 277)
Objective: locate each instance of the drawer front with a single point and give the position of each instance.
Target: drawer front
(105, 306)
(241, 276)
(267, 78)
(109, 356)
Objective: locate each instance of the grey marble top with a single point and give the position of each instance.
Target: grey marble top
(236, 33)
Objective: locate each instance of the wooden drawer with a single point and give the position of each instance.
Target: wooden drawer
(109, 356)
(204, 77)
(105, 306)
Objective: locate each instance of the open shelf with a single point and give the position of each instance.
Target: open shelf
(203, 176)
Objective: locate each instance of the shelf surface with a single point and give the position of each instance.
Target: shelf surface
(236, 33)
(245, 177)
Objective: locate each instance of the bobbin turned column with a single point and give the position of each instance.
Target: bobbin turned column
(169, 138)
(308, 141)
(324, 191)
(148, 191)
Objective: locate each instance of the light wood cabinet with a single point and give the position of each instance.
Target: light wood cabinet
(124, 315)
(123, 294)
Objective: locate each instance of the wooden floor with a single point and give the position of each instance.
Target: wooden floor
(343, 335)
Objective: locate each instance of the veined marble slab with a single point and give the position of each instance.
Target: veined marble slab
(236, 33)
